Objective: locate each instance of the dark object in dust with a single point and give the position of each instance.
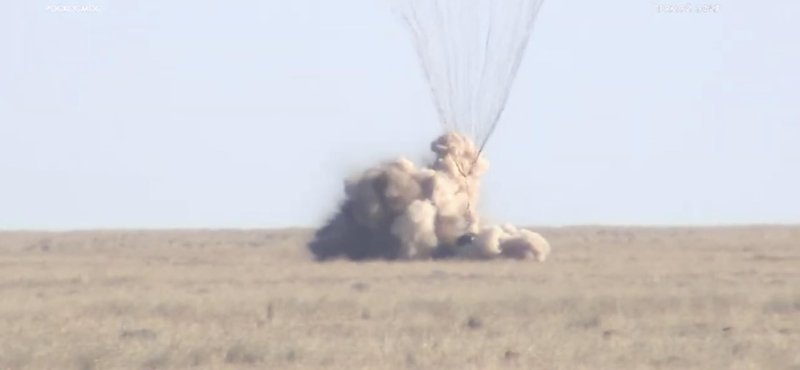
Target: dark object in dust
(608, 334)
(465, 239)
(474, 323)
(445, 251)
(511, 355)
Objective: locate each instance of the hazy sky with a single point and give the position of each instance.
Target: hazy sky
(249, 114)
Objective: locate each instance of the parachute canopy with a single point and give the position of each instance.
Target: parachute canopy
(470, 51)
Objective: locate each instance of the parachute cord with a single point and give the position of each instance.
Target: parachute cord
(466, 187)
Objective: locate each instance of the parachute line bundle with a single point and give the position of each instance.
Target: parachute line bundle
(470, 52)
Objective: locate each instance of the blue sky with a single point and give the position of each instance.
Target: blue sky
(250, 114)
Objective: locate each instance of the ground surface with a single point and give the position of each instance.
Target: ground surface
(609, 298)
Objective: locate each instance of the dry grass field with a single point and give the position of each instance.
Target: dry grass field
(609, 298)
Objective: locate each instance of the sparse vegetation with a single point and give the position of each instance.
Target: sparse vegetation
(609, 298)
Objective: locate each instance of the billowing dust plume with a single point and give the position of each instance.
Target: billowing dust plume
(399, 211)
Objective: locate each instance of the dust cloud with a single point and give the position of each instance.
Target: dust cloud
(397, 210)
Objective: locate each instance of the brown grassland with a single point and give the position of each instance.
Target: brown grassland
(608, 298)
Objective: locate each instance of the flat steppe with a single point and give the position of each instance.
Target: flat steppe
(608, 298)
